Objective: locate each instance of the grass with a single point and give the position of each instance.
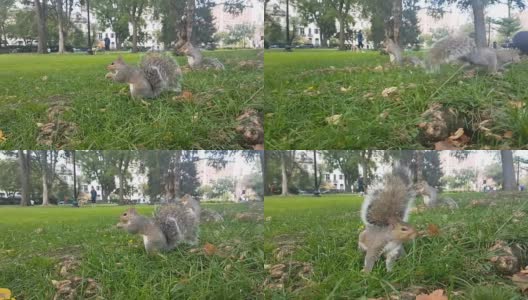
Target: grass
(33, 239)
(106, 116)
(325, 232)
(305, 87)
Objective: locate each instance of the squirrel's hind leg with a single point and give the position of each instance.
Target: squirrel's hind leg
(392, 255)
(371, 257)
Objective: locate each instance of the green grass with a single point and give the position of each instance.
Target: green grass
(33, 239)
(325, 231)
(109, 119)
(303, 88)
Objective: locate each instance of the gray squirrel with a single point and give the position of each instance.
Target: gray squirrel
(462, 48)
(455, 48)
(157, 72)
(385, 212)
(172, 225)
(431, 197)
(196, 59)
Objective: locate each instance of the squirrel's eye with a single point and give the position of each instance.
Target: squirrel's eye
(112, 63)
(404, 229)
(125, 214)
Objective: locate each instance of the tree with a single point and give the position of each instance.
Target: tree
(508, 174)
(410, 31)
(63, 11)
(98, 165)
(121, 161)
(508, 26)
(477, 7)
(110, 14)
(9, 183)
(24, 26)
(41, 8)
(47, 162)
(24, 160)
(342, 11)
(135, 10)
(5, 12)
(347, 162)
(320, 13)
(239, 33)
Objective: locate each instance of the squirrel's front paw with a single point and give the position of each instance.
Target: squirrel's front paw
(109, 75)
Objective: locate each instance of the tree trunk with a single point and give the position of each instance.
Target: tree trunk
(24, 163)
(419, 165)
(45, 179)
(508, 174)
(41, 15)
(284, 174)
(342, 32)
(397, 20)
(480, 22)
(134, 36)
(60, 21)
(348, 187)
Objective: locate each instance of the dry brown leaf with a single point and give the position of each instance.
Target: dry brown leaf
(186, 96)
(344, 90)
(445, 145)
(517, 104)
(333, 120)
(44, 78)
(368, 95)
(378, 69)
(521, 280)
(435, 295)
(384, 115)
(209, 249)
(2, 137)
(457, 134)
(433, 230)
(390, 91)
(508, 134)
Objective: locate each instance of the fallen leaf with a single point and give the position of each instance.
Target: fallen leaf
(445, 145)
(333, 120)
(44, 78)
(209, 249)
(390, 91)
(344, 90)
(368, 95)
(508, 134)
(378, 69)
(186, 96)
(517, 104)
(384, 115)
(457, 134)
(433, 229)
(2, 137)
(436, 295)
(521, 281)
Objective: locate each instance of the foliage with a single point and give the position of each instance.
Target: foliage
(508, 27)
(239, 33)
(9, 181)
(410, 31)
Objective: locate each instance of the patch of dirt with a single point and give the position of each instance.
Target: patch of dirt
(249, 217)
(295, 272)
(56, 132)
(210, 216)
(250, 126)
(76, 287)
(506, 258)
(67, 265)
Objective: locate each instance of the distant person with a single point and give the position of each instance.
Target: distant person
(360, 40)
(494, 45)
(107, 43)
(361, 188)
(93, 192)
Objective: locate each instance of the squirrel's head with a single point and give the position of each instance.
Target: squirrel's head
(186, 48)
(125, 217)
(403, 231)
(116, 64)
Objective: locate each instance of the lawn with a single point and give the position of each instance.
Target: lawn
(320, 235)
(305, 87)
(34, 240)
(100, 114)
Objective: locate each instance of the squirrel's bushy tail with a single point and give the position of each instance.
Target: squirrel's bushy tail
(388, 200)
(179, 221)
(162, 71)
(447, 50)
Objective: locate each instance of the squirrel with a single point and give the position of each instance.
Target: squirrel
(196, 59)
(172, 224)
(385, 212)
(463, 48)
(431, 197)
(157, 72)
(396, 55)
